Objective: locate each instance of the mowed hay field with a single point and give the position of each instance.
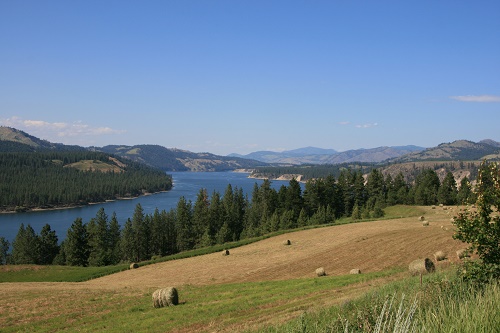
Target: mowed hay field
(262, 283)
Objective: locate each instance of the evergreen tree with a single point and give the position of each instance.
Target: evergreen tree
(141, 233)
(465, 194)
(201, 216)
(287, 220)
(375, 188)
(303, 219)
(98, 235)
(169, 220)
(158, 234)
(4, 250)
(184, 225)
(76, 245)
(426, 187)
(294, 201)
(356, 212)
(114, 240)
(48, 245)
(127, 242)
(447, 193)
(25, 246)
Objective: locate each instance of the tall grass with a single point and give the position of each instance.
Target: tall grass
(440, 304)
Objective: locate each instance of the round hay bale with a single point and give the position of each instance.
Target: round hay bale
(463, 253)
(421, 266)
(287, 242)
(445, 208)
(425, 223)
(355, 271)
(134, 265)
(433, 207)
(421, 218)
(225, 252)
(439, 256)
(165, 297)
(320, 271)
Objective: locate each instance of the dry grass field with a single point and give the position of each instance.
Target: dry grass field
(368, 246)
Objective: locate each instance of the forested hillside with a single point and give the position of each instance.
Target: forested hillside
(59, 179)
(218, 219)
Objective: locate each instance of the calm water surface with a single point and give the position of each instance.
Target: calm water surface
(186, 184)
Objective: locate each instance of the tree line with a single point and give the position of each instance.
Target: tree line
(43, 180)
(218, 219)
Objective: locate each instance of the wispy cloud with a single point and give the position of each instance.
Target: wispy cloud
(477, 98)
(344, 122)
(48, 130)
(367, 125)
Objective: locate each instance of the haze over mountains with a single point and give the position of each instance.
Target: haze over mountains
(312, 155)
(172, 159)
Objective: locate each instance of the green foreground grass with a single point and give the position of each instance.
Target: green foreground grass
(201, 308)
(441, 303)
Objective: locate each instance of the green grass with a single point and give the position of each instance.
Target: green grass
(443, 304)
(210, 307)
(53, 273)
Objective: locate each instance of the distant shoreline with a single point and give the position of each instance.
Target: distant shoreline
(38, 209)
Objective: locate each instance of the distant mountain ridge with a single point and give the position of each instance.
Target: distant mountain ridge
(14, 140)
(459, 150)
(312, 155)
(172, 159)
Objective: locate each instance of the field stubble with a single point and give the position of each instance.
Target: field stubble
(215, 290)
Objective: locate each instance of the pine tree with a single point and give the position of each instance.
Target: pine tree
(4, 250)
(48, 245)
(184, 225)
(98, 234)
(465, 194)
(114, 240)
(25, 246)
(447, 193)
(201, 223)
(76, 246)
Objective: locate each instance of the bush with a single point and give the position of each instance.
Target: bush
(481, 227)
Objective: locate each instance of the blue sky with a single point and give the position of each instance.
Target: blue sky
(242, 76)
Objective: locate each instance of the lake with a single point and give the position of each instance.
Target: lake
(186, 184)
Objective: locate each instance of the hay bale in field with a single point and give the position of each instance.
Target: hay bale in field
(355, 271)
(445, 208)
(320, 271)
(421, 266)
(287, 242)
(425, 223)
(439, 256)
(134, 265)
(421, 218)
(165, 297)
(433, 207)
(463, 253)
(225, 252)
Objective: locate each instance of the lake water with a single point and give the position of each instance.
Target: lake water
(186, 184)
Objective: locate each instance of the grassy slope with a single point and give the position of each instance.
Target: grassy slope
(108, 306)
